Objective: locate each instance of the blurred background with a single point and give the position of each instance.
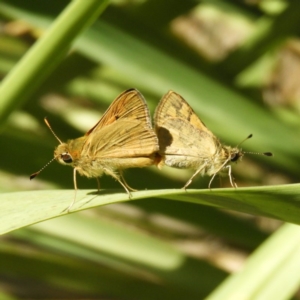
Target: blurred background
(235, 62)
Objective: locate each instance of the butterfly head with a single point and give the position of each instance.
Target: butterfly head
(236, 154)
(62, 154)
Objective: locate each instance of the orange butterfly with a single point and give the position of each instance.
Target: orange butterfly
(123, 138)
(186, 143)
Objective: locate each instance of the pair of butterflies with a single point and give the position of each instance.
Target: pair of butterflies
(124, 138)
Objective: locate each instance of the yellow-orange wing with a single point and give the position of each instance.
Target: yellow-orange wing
(128, 105)
(184, 140)
(124, 131)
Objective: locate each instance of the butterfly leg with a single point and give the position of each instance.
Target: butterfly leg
(232, 182)
(112, 174)
(75, 187)
(211, 180)
(124, 181)
(98, 184)
(191, 179)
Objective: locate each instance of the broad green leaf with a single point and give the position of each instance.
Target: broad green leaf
(25, 208)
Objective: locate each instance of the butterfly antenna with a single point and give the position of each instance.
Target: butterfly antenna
(256, 153)
(261, 153)
(48, 124)
(37, 173)
(247, 138)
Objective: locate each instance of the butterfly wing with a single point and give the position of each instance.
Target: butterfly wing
(184, 140)
(128, 105)
(172, 105)
(124, 136)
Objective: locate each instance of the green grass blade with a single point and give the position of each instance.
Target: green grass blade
(271, 272)
(46, 54)
(135, 249)
(25, 208)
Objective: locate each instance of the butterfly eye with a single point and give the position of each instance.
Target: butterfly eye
(67, 158)
(235, 156)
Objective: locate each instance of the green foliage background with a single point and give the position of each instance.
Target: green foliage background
(169, 244)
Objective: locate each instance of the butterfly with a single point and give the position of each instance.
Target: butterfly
(186, 143)
(123, 138)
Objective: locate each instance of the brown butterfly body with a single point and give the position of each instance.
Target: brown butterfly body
(186, 143)
(123, 138)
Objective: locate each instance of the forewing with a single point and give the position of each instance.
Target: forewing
(130, 105)
(172, 105)
(124, 133)
(183, 139)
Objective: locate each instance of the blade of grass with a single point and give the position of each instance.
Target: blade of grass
(46, 54)
(125, 254)
(63, 275)
(271, 272)
(26, 208)
(134, 248)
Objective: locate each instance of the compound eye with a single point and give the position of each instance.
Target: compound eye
(235, 157)
(67, 158)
